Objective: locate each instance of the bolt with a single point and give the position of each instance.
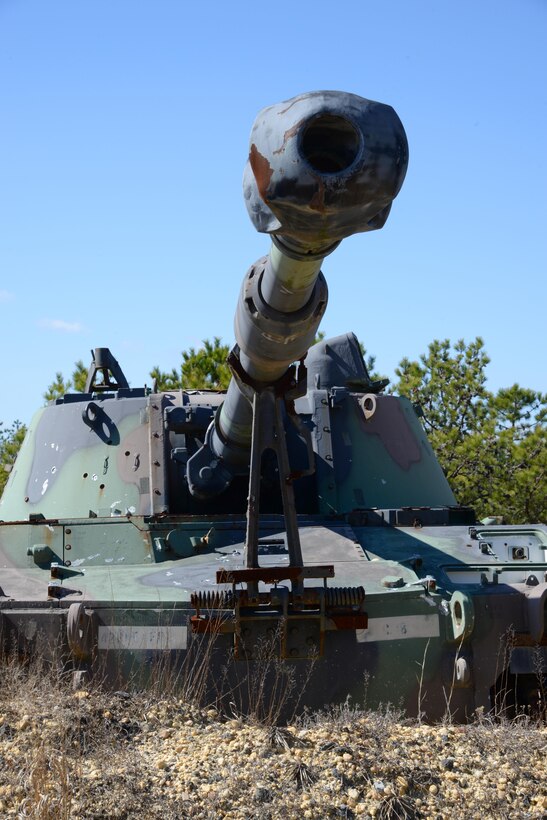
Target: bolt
(157, 492)
(156, 463)
(26, 498)
(68, 546)
(68, 530)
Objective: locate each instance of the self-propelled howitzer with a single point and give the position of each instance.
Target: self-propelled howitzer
(297, 528)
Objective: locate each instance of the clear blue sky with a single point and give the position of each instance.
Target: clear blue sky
(123, 136)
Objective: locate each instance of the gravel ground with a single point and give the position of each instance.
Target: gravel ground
(87, 754)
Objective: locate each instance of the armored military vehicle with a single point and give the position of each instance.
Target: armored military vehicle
(296, 531)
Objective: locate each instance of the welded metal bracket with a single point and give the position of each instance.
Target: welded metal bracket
(104, 372)
(278, 623)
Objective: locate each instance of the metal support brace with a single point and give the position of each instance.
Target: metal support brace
(268, 433)
(295, 620)
(104, 365)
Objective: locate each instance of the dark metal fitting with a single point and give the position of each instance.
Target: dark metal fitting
(104, 367)
(271, 337)
(292, 384)
(208, 475)
(90, 414)
(294, 251)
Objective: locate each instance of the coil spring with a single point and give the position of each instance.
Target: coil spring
(212, 600)
(344, 596)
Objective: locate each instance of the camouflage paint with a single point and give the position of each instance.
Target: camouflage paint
(106, 553)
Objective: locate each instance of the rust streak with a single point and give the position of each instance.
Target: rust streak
(293, 102)
(317, 202)
(261, 170)
(350, 621)
(291, 132)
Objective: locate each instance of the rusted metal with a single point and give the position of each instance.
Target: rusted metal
(212, 600)
(211, 625)
(344, 596)
(525, 639)
(350, 621)
(262, 171)
(294, 622)
(272, 575)
(80, 632)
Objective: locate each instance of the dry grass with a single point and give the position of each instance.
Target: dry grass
(67, 754)
(99, 754)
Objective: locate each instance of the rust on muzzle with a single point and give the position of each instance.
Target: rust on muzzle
(323, 166)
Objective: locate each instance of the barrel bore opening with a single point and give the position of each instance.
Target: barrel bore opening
(330, 144)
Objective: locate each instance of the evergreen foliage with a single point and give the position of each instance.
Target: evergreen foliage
(492, 446)
(202, 369)
(59, 386)
(11, 439)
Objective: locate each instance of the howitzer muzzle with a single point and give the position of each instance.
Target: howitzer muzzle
(321, 167)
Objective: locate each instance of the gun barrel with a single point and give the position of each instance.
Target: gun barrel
(321, 167)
